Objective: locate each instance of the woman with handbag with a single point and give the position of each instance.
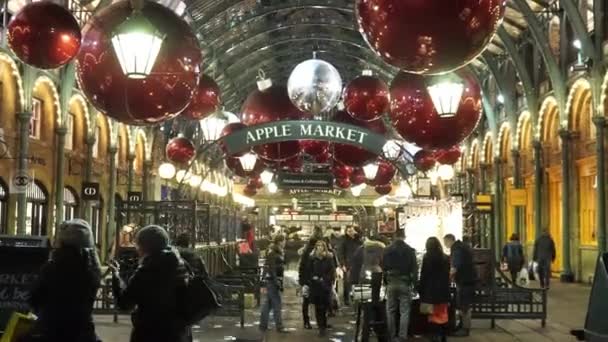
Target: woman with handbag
(323, 274)
(64, 293)
(434, 288)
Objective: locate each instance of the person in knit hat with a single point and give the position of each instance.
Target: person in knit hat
(65, 291)
(153, 289)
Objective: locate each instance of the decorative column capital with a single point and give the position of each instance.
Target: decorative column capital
(515, 154)
(90, 140)
(565, 134)
(131, 157)
(148, 162)
(537, 145)
(61, 130)
(112, 149)
(497, 160)
(599, 121)
(24, 116)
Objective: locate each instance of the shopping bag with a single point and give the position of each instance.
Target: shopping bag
(531, 271)
(504, 267)
(18, 326)
(523, 277)
(440, 314)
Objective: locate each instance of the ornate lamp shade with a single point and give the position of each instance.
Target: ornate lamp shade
(213, 126)
(266, 176)
(248, 161)
(136, 43)
(392, 150)
(166, 171)
(446, 94)
(371, 170)
(272, 188)
(445, 172)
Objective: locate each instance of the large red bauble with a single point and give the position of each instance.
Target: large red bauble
(250, 191)
(160, 96)
(414, 116)
(293, 164)
(366, 98)
(386, 172)
(384, 189)
(424, 160)
(429, 36)
(323, 158)
(352, 155)
(44, 35)
(234, 164)
(341, 170)
(314, 147)
(206, 99)
(343, 183)
(357, 177)
(255, 182)
(180, 150)
(449, 156)
(229, 129)
(269, 105)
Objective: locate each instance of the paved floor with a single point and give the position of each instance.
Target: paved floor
(567, 310)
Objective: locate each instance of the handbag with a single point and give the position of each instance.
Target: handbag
(19, 325)
(426, 308)
(440, 314)
(197, 300)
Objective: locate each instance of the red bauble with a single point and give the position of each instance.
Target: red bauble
(234, 164)
(449, 156)
(293, 164)
(314, 147)
(424, 160)
(415, 118)
(255, 182)
(229, 129)
(341, 171)
(44, 35)
(386, 172)
(352, 155)
(323, 158)
(384, 189)
(160, 96)
(180, 150)
(206, 99)
(250, 191)
(429, 36)
(366, 98)
(357, 177)
(270, 105)
(343, 183)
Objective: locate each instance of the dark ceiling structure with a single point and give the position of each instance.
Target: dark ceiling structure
(240, 37)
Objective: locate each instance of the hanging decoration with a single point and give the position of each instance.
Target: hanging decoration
(343, 183)
(414, 116)
(341, 171)
(158, 97)
(449, 156)
(430, 36)
(250, 191)
(229, 129)
(44, 35)
(255, 182)
(357, 177)
(234, 164)
(384, 189)
(352, 155)
(366, 97)
(424, 160)
(314, 86)
(323, 158)
(180, 150)
(384, 175)
(206, 99)
(213, 125)
(271, 103)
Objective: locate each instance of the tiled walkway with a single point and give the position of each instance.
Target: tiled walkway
(567, 310)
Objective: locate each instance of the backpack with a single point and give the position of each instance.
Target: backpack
(196, 300)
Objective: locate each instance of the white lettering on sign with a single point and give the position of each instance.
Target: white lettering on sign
(306, 131)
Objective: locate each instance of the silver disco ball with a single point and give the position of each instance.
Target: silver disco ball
(314, 86)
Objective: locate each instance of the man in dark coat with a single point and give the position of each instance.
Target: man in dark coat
(347, 248)
(544, 255)
(194, 261)
(401, 274)
(273, 273)
(463, 273)
(153, 290)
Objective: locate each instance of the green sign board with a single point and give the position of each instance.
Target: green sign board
(279, 131)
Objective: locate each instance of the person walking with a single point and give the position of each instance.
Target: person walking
(304, 274)
(462, 272)
(544, 256)
(367, 260)
(347, 248)
(64, 293)
(323, 274)
(513, 256)
(273, 277)
(153, 289)
(194, 262)
(401, 274)
(434, 287)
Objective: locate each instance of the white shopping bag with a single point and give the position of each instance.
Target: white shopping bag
(523, 278)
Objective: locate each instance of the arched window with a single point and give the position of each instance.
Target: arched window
(70, 203)
(96, 219)
(37, 205)
(3, 207)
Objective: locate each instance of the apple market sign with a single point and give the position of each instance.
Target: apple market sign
(280, 131)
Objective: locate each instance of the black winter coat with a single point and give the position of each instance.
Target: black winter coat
(153, 291)
(399, 261)
(63, 297)
(323, 275)
(462, 261)
(195, 262)
(304, 271)
(274, 268)
(434, 287)
(347, 250)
